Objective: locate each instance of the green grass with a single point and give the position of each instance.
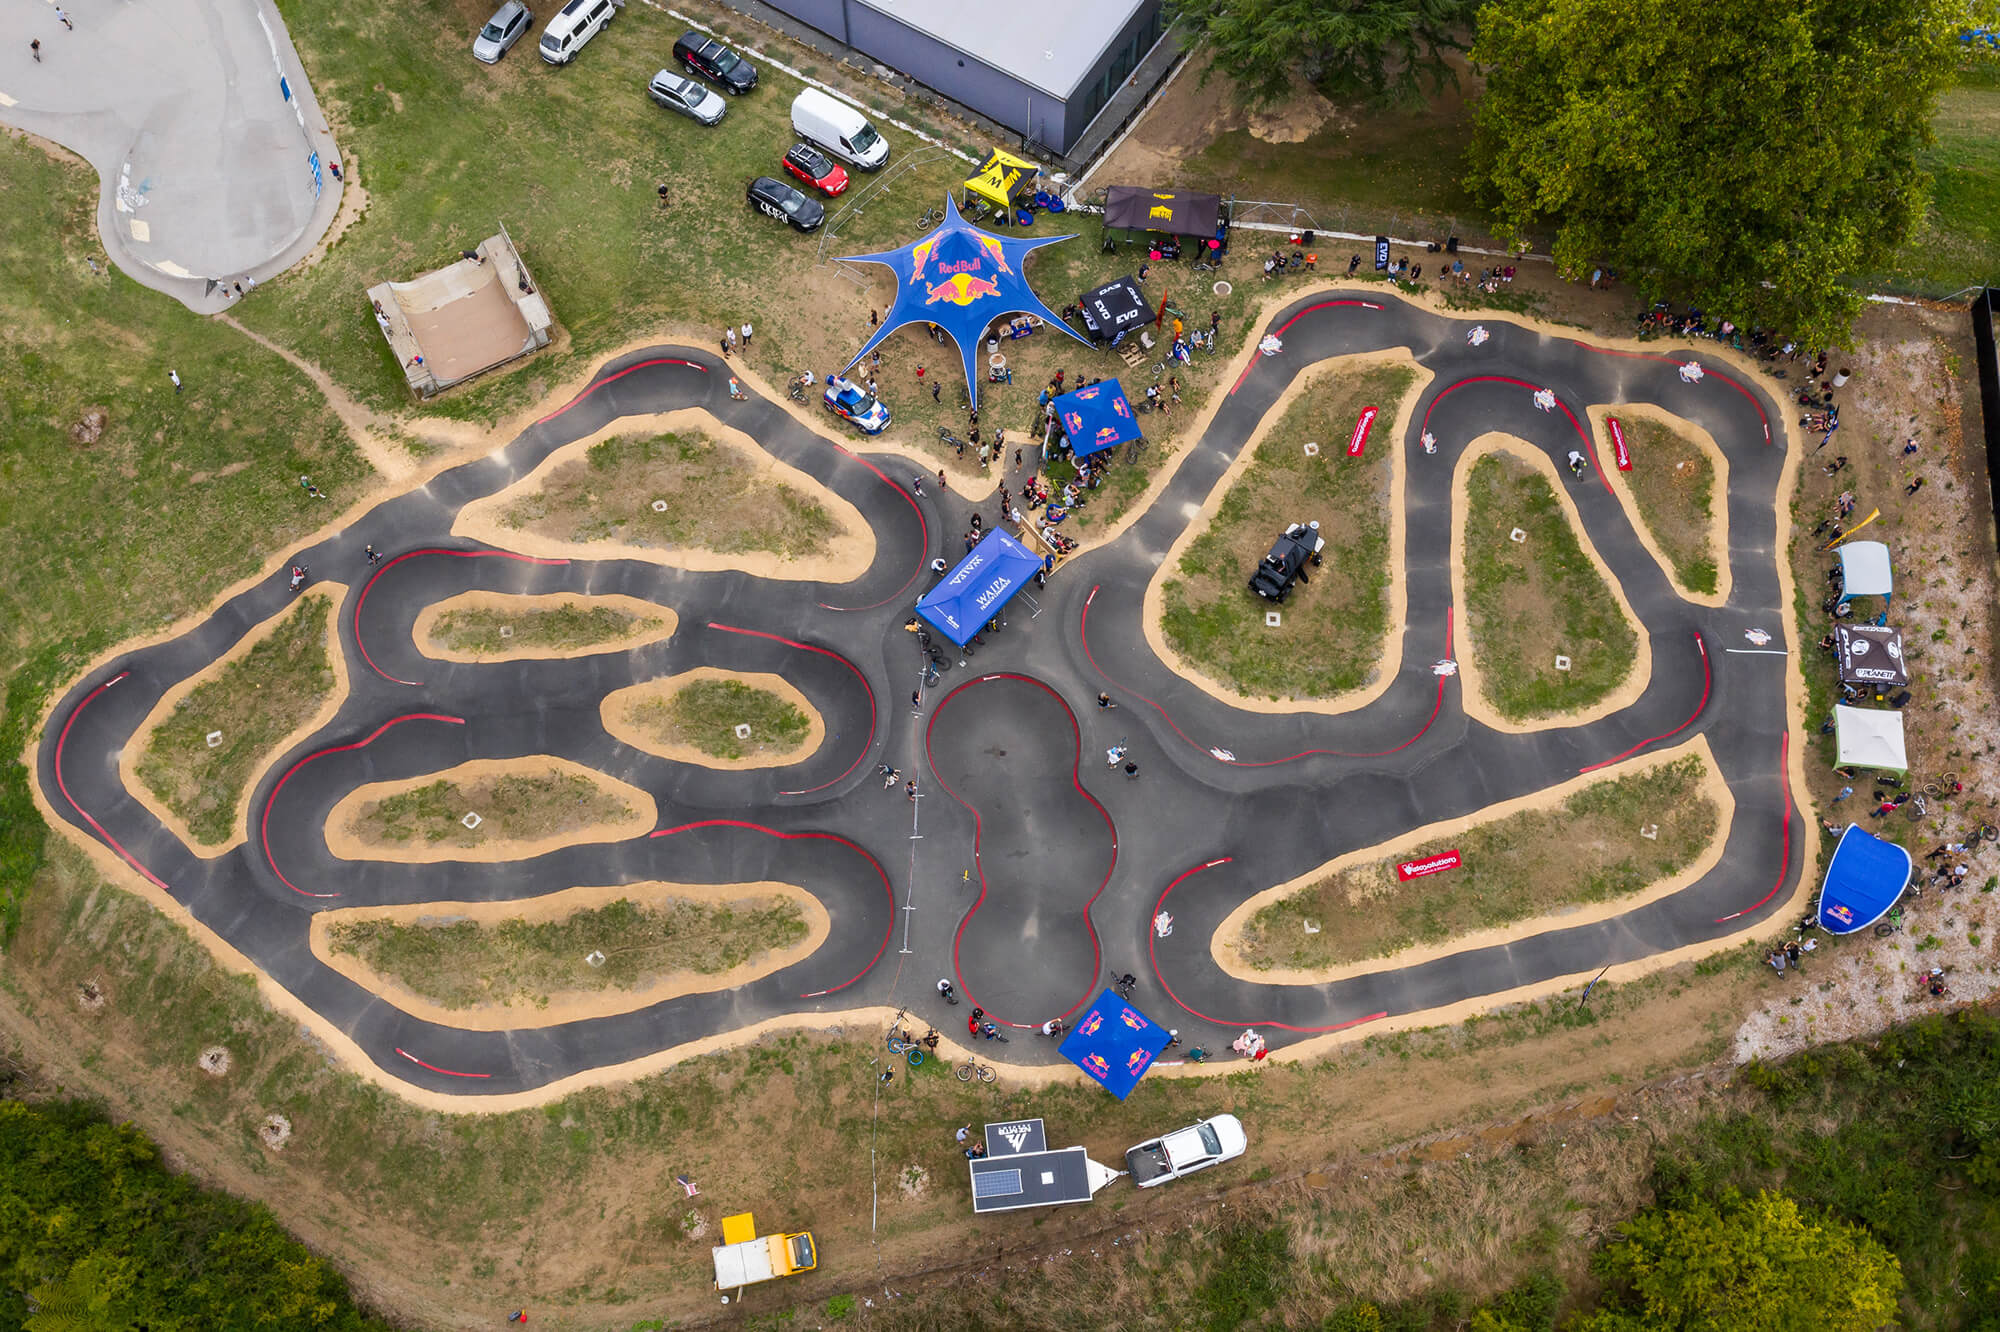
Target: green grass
(1330, 638)
(706, 713)
(569, 626)
(1673, 485)
(256, 701)
(1587, 849)
(714, 496)
(517, 807)
(464, 963)
(1958, 244)
(1530, 601)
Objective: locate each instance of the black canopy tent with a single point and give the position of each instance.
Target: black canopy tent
(1114, 308)
(1870, 654)
(1173, 212)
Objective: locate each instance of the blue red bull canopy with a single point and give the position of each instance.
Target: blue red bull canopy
(1097, 417)
(1114, 1043)
(962, 279)
(983, 582)
(1863, 880)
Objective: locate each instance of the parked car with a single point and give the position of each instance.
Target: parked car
(575, 24)
(853, 403)
(497, 38)
(1286, 564)
(1204, 1143)
(776, 199)
(687, 97)
(816, 169)
(715, 62)
(823, 119)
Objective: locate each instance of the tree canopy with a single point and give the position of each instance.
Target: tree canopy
(1706, 148)
(1380, 50)
(1745, 1262)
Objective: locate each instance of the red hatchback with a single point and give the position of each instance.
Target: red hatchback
(816, 169)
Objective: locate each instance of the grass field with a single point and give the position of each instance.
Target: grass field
(255, 702)
(706, 713)
(716, 499)
(1528, 602)
(572, 625)
(1587, 849)
(1673, 485)
(465, 963)
(518, 807)
(1330, 638)
(1958, 244)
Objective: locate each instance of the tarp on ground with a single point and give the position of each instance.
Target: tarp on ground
(1863, 880)
(983, 582)
(1114, 1043)
(1869, 738)
(1097, 417)
(1870, 654)
(1176, 212)
(1005, 180)
(1114, 308)
(962, 279)
(1864, 570)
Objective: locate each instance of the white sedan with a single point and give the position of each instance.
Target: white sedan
(1202, 1144)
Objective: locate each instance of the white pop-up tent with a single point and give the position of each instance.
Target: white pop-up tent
(1864, 570)
(1869, 738)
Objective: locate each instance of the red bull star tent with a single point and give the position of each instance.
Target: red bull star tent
(962, 279)
(1097, 417)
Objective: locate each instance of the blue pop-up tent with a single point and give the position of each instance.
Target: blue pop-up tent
(962, 279)
(1097, 417)
(983, 582)
(1114, 1043)
(1863, 880)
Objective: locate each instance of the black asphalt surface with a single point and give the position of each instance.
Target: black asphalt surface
(1027, 870)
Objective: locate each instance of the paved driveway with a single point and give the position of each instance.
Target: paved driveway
(206, 167)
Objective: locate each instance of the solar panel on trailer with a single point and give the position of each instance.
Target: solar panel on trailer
(996, 1184)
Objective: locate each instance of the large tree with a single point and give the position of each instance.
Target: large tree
(1707, 148)
(1377, 50)
(1745, 1263)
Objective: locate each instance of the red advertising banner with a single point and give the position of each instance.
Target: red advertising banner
(1359, 439)
(1417, 869)
(1618, 449)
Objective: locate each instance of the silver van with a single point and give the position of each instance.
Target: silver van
(577, 23)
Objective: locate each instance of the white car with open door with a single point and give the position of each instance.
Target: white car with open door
(1204, 1143)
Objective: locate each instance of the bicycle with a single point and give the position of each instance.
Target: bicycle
(929, 218)
(971, 1069)
(1889, 926)
(797, 388)
(912, 1050)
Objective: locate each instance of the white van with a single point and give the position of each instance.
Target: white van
(838, 128)
(579, 21)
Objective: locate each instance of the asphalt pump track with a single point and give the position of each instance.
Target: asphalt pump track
(1026, 870)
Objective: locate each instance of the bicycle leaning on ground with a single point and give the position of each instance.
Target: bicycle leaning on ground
(971, 1069)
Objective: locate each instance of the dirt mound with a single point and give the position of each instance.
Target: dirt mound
(91, 996)
(89, 428)
(213, 1061)
(914, 1181)
(276, 1131)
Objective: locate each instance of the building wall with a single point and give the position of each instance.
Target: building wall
(1054, 121)
(1138, 37)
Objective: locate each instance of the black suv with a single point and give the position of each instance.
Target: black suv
(711, 60)
(774, 198)
(1300, 545)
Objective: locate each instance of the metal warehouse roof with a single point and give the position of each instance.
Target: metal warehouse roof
(1048, 44)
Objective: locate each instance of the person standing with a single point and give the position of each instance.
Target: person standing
(747, 331)
(728, 341)
(174, 375)
(35, 49)
(64, 19)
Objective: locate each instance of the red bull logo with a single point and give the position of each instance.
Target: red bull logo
(1072, 422)
(1091, 1024)
(961, 289)
(1107, 434)
(1096, 1065)
(919, 253)
(1134, 1019)
(1136, 1063)
(997, 252)
(1122, 407)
